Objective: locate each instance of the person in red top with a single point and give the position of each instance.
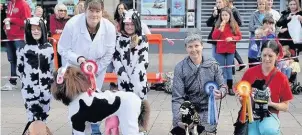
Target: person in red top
(280, 93)
(226, 29)
(58, 20)
(17, 12)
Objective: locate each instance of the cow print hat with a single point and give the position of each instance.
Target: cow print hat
(28, 36)
(132, 16)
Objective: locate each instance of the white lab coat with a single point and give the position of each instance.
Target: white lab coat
(75, 41)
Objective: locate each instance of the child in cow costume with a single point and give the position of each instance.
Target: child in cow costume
(34, 67)
(130, 59)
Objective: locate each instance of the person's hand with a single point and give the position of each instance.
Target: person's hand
(289, 16)
(6, 20)
(300, 18)
(218, 94)
(59, 31)
(215, 13)
(229, 39)
(81, 60)
(283, 30)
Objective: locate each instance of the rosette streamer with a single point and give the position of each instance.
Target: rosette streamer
(244, 90)
(90, 68)
(212, 108)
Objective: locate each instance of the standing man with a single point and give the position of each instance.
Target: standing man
(17, 12)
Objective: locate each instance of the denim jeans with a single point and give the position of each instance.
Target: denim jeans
(268, 126)
(95, 129)
(286, 71)
(11, 49)
(214, 51)
(225, 59)
(110, 68)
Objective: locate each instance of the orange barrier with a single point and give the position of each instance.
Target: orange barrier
(155, 39)
(55, 39)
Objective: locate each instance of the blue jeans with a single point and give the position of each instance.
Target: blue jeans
(214, 51)
(269, 126)
(95, 129)
(225, 59)
(11, 49)
(110, 68)
(286, 71)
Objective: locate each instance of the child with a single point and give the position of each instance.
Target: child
(284, 65)
(34, 67)
(255, 47)
(226, 29)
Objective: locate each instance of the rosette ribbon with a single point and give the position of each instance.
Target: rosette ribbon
(212, 108)
(244, 90)
(90, 68)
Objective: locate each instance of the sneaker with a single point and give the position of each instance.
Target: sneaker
(8, 87)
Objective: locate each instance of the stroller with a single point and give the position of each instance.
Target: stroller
(295, 85)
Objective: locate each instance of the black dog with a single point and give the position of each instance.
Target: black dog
(189, 116)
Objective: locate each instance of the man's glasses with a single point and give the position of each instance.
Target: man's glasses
(62, 10)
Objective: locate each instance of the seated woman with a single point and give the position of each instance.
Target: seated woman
(278, 87)
(199, 70)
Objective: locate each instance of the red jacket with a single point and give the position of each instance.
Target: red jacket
(56, 24)
(18, 11)
(224, 46)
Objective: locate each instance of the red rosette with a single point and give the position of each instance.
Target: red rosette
(89, 67)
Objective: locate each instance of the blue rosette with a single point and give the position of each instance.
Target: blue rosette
(210, 88)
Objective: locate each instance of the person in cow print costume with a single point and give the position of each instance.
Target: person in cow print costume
(130, 59)
(34, 67)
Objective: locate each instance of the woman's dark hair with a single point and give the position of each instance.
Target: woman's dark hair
(268, 18)
(29, 37)
(272, 44)
(136, 21)
(117, 16)
(94, 4)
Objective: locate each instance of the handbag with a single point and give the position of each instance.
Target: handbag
(242, 128)
(295, 30)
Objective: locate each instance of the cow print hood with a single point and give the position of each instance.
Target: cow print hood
(28, 36)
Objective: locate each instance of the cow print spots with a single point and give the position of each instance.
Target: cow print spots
(94, 113)
(131, 65)
(34, 64)
(32, 59)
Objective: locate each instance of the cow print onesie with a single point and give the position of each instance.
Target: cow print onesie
(131, 65)
(35, 64)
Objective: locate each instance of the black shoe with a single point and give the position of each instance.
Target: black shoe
(230, 87)
(240, 68)
(231, 92)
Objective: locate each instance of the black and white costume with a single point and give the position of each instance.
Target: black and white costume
(130, 59)
(98, 106)
(34, 67)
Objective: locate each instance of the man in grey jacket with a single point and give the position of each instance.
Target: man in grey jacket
(200, 70)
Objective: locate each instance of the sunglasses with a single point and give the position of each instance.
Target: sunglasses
(62, 10)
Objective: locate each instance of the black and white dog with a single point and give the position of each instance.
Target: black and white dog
(189, 116)
(72, 87)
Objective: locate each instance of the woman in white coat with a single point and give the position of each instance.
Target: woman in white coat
(88, 36)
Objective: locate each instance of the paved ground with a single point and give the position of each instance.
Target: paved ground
(13, 117)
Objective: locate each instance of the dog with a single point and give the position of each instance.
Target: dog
(71, 86)
(189, 116)
(38, 128)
